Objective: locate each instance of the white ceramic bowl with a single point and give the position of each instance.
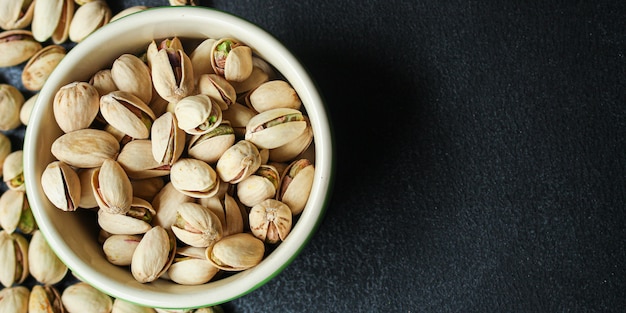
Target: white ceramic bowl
(74, 239)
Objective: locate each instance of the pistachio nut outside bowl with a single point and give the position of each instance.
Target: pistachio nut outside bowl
(74, 238)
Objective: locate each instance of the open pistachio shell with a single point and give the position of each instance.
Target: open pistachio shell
(132, 75)
(295, 147)
(119, 249)
(209, 147)
(272, 95)
(88, 18)
(259, 186)
(61, 186)
(40, 66)
(14, 256)
(270, 221)
(112, 188)
(136, 161)
(218, 89)
(15, 212)
(231, 59)
(276, 127)
(153, 256)
(14, 299)
(173, 43)
(51, 19)
(166, 203)
(75, 106)
(197, 114)
(172, 74)
(168, 141)
(190, 267)
(194, 178)
(228, 211)
(87, 197)
(17, 46)
(13, 170)
(128, 113)
(82, 297)
(196, 225)
(236, 252)
(135, 221)
(45, 299)
(238, 162)
(16, 14)
(11, 101)
(85, 148)
(296, 184)
(43, 263)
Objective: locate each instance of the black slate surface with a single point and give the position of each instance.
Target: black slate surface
(481, 156)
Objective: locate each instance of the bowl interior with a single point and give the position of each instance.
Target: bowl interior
(72, 235)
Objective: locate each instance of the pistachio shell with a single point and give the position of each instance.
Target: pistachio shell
(194, 178)
(238, 162)
(256, 78)
(135, 221)
(102, 80)
(85, 148)
(61, 186)
(43, 263)
(173, 43)
(238, 115)
(13, 170)
(276, 127)
(132, 75)
(128, 11)
(209, 147)
(295, 147)
(236, 252)
(27, 108)
(166, 203)
(296, 185)
(191, 267)
(197, 114)
(147, 188)
(75, 106)
(259, 186)
(51, 19)
(228, 211)
(196, 225)
(119, 249)
(40, 66)
(87, 197)
(218, 89)
(11, 101)
(88, 18)
(153, 255)
(82, 297)
(16, 14)
(14, 299)
(270, 221)
(274, 94)
(121, 306)
(13, 204)
(173, 80)
(45, 299)
(201, 58)
(137, 161)
(168, 141)
(14, 256)
(17, 46)
(231, 59)
(112, 188)
(128, 113)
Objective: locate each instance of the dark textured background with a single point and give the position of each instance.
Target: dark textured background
(481, 157)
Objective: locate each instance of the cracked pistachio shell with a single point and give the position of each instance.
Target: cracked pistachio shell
(272, 95)
(294, 148)
(14, 256)
(128, 11)
(231, 59)
(218, 89)
(197, 114)
(45, 299)
(15, 212)
(238, 115)
(201, 58)
(14, 299)
(75, 106)
(121, 306)
(147, 188)
(27, 108)
(85, 148)
(256, 78)
(82, 297)
(134, 222)
(238, 162)
(154, 255)
(154, 48)
(166, 203)
(270, 221)
(296, 184)
(51, 19)
(102, 80)
(259, 186)
(119, 249)
(16, 14)
(209, 147)
(17, 46)
(136, 159)
(236, 252)
(168, 141)
(228, 211)
(274, 128)
(88, 18)
(87, 197)
(112, 188)
(194, 178)
(13, 170)
(128, 113)
(132, 75)
(190, 267)
(172, 74)
(11, 101)
(40, 66)
(61, 186)
(43, 263)
(5, 150)
(196, 225)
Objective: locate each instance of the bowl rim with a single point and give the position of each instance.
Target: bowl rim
(252, 279)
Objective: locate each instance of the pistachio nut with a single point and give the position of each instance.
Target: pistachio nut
(194, 178)
(270, 221)
(236, 252)
(132, 75)
(238, 115)
(51, 19)
(45, 299)
(190, 267)
(112, 188)
(15, 212)
(88, 18)
(119, 249)
(256, 78)
(13, 170)
(196, 225)
(14, 299)
(201, 58)
(61, 185)
(154, 255)
(5, 150)
(147, 188)
(82, 297)
(128, 11)
(87, 197)
(166, 203)
(295, 147)
(126, 112)
(228, 212)
(103, 81)
(172, 74)
(272, 95)
(11, 101)
(27, 108)
(16, 14)
(154, 48)
(85, 148)
(168, 141)
(43, 263)
(231, 59)
(14, 256)
(136, 161)
(122, 306)
(197, 114)
(17, 46)
(75, 106)
(238, 162)
(40, 66)
(134, 222)
(296, 185)
(259, 186)
(209, 147)
(274, 128)
(218, 89)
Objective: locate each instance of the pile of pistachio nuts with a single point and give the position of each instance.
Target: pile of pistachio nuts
(196, 161)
